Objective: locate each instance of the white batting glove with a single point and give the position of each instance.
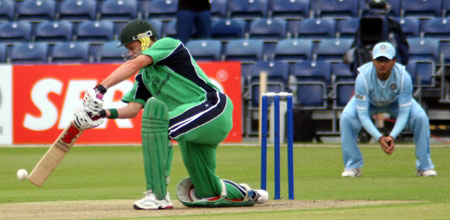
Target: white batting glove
(92, 100)
(84, 121)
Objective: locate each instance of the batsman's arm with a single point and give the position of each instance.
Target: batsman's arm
(126, 70)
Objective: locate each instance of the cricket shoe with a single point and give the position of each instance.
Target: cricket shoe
(426, 173)
(351, 173)
(150, 202)
(258, 196)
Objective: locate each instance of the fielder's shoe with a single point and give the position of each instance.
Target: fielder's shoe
(426, 173)
(258, 196)
(150, 202)
(351, 173)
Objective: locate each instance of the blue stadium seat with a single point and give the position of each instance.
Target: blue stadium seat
(318, 71)
(293, 50)
(423, 70)
(423, 49)
(163, 9)
(311, 95)
(95, 31)
(3, 53)
(341, 72)
(248, 9)
(77, 10)
(70, 52)
(158, 25)
(290, 9)
(218, 8)
(110, 53)
(445, 50)
(205, 50)
(332, 50)
(6, 10)
(277, 78)
(36, 10)
(347, 28)
(317, 28)
(53, 31)
(343, 91)
(226, 29)
(29, 53)
(12, 32)
(338, 8)
(446, 9)
(268, 29)
(244, 50)
(437, 28)
(421, 8)
(118, 10)
(410, 26)
(170, 29)
(394, 7)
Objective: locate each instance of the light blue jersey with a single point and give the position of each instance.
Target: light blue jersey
(393, 96)
(382, 96)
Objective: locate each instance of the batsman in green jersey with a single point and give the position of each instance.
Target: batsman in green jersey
(179, 103)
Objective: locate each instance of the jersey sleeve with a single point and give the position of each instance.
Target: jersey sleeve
(162, 49)
(362, 106)
(405, 100)
(138, 93)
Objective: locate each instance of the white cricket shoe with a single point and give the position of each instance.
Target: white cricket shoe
(150, 202)
(260, 196)
(426, 173)
(351, 173)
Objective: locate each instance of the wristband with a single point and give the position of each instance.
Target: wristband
(113, 113)
(102, 113)
(101, 89)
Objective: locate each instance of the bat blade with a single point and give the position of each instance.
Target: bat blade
(54, 154)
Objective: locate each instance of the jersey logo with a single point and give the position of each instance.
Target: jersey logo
(393, 86)
(360, 97)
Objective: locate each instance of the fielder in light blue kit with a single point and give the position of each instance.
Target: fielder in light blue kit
(384, 86)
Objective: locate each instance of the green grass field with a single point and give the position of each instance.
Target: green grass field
(116, 172)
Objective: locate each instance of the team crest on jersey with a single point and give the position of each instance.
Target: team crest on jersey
(393, 86)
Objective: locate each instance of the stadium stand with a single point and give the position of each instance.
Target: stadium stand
(53, 31)
(36, 10)
(248, 9)
(293, 50)
(70, 52)
(170, 30)
(338, 8)
(410, 26)
(118, 10)
(424, 48)
(205, 50)
(317, 28)
(110, 53)
(421, 8)
(347, 28)
(13, 32)
(437, 28)
(218, 8)
(77, 10)
(3, 53)
(244, 50)
(268, 29)
(6, 10)
(29, 53)
(332, 50)
(95, 31)
(226, 29)
(162, 9)
(289, 9)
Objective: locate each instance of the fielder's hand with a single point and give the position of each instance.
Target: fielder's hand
(92, 100)
(84, 121)
(387, 144)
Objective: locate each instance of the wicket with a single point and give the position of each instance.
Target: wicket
(290, 141)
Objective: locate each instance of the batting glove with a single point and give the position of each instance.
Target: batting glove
(84, 121)
(92, 100)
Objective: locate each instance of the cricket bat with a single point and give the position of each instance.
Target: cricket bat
(55, 154)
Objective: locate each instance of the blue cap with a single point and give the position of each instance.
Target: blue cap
(383, 49)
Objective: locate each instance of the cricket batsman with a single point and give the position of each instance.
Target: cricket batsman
(179, 103)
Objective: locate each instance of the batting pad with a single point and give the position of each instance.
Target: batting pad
(156, 148)
(186, 195)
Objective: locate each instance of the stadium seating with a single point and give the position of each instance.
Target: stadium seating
(118, 10)
(445, 50)
(293, 50)
(341, 72)
(343, 92)
(332, 50)
(29, 53)
(347, 28)
(437, 28)
(13, 32)
(290, 9)
(318, 71)
(205, 50)
(311, 95)
(6, 10)
(3, 57)
(36, 10)
(423, 49)
(110, 53)
(77, 10)
(95, 31)
(244, 50)
(70, 52)
(218, 8)
(338, 8)
(446, 9)
(268, 29)
(248, 9)
(158, 25)
(421, 8)
(317, 29)
(423, 70)
(170, 29)
(53, 31)
(227, 29)
(410, 26)
(162, 9)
